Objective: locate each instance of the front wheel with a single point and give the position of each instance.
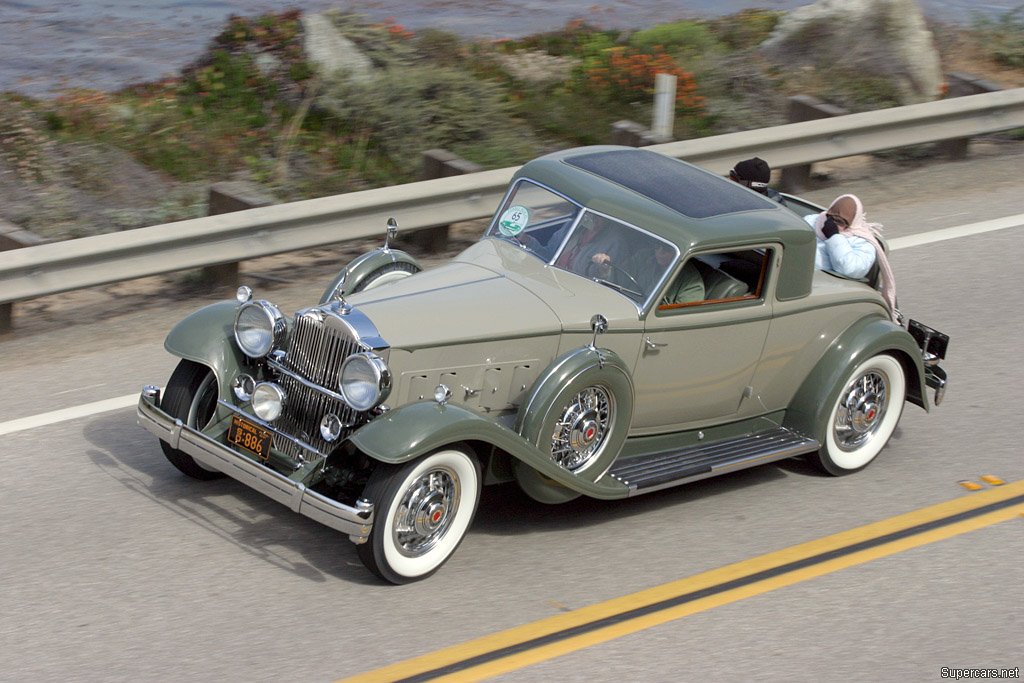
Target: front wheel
(864, 416)
(191, 396)
(423, 510)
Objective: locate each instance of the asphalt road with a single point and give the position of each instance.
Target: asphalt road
(115, 567)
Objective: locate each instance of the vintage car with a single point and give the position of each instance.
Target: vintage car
(628, 322)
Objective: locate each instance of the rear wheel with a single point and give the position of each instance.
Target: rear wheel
(423, 510)
(191, 396)
(864, 416)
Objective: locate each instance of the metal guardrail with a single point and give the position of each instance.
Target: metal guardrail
(74, 264)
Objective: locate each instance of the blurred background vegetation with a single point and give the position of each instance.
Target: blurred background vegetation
(253, 108)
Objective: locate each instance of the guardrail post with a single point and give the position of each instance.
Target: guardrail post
(226, 197)
(959, 84)
(440, 163)
(13, 237)
(805, 108)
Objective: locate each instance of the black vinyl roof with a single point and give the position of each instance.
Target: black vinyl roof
(683, 188)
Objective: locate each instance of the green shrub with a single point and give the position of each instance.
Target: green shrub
(745, 29)
(687, 37)
(410, 110)
(1003, 36)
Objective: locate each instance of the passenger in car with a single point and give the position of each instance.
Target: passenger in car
(687, 287)
(848, 244)
(755, 174)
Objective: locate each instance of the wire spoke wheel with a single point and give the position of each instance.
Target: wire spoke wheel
(581, 430)
(426, 511)
(864, 415)
(861, 410)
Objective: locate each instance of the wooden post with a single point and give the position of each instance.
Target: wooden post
(959, 84)
(805, 108)
(440, 163)
(13, 237)
(226, 197)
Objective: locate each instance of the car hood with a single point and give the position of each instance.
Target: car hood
(456, 303)
(491, 291)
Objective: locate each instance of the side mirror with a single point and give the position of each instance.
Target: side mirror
(392, 232)
(599, 324)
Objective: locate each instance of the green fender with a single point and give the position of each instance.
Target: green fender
(352, 276)
(416, 429)
(809, 411)
(208, 337)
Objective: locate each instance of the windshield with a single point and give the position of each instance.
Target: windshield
(534, 218)
(595, 246)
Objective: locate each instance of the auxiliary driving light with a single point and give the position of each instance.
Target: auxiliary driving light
(268, 401)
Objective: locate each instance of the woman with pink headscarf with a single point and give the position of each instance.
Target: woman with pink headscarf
(848, 244)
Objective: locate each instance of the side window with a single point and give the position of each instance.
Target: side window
(718, 278)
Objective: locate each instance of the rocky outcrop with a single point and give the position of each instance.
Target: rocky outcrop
(871, 38)
(332, 52)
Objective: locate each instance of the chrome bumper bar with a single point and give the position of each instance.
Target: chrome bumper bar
(354, 521)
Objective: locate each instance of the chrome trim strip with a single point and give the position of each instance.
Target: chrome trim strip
(354, 521)
(306, 383)
(267, 425)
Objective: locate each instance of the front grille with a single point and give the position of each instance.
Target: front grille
(317, 348)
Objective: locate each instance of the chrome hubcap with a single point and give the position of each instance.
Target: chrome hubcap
(426, 511)
(582, 428)
(861, 410)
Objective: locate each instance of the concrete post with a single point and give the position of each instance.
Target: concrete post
(13, 237)
(226, 197)
(633, 134)
(664, 105)
(440, 163)
(805, 108)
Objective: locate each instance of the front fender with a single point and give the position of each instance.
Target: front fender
(419, 428)
(349, 279)
(809, 411)
(208, 337)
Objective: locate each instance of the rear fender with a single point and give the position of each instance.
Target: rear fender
(810, 409)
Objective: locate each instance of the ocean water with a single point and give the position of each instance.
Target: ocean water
(47, 45)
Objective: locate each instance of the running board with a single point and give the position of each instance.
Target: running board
(646, 473)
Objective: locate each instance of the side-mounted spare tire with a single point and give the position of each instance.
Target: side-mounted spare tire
(579, 412)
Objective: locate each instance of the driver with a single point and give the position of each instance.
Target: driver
(595, 246)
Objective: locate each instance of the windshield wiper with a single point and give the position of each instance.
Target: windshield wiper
(618, 287)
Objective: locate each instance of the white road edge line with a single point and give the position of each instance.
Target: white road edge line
(954, 233)
(130, 400)
(65, 414)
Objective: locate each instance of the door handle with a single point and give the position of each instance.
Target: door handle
(652, 345)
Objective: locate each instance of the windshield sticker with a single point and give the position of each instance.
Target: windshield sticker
(513, 220)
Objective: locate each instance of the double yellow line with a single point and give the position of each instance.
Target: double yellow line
(558, 635)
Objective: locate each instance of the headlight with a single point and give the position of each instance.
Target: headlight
(365, 380)
(268, 401)
(259, 328)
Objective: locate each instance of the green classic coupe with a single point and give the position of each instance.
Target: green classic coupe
(628, 322)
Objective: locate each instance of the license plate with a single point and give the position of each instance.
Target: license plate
(250, 437)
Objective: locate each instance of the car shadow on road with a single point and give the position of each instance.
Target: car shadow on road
(223, 507)
(506, 511)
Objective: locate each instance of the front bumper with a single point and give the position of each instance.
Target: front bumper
(354, 521)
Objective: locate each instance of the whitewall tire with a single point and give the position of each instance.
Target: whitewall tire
(864, 415)
(423, 510)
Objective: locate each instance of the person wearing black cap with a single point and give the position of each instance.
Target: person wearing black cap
(755, 173)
